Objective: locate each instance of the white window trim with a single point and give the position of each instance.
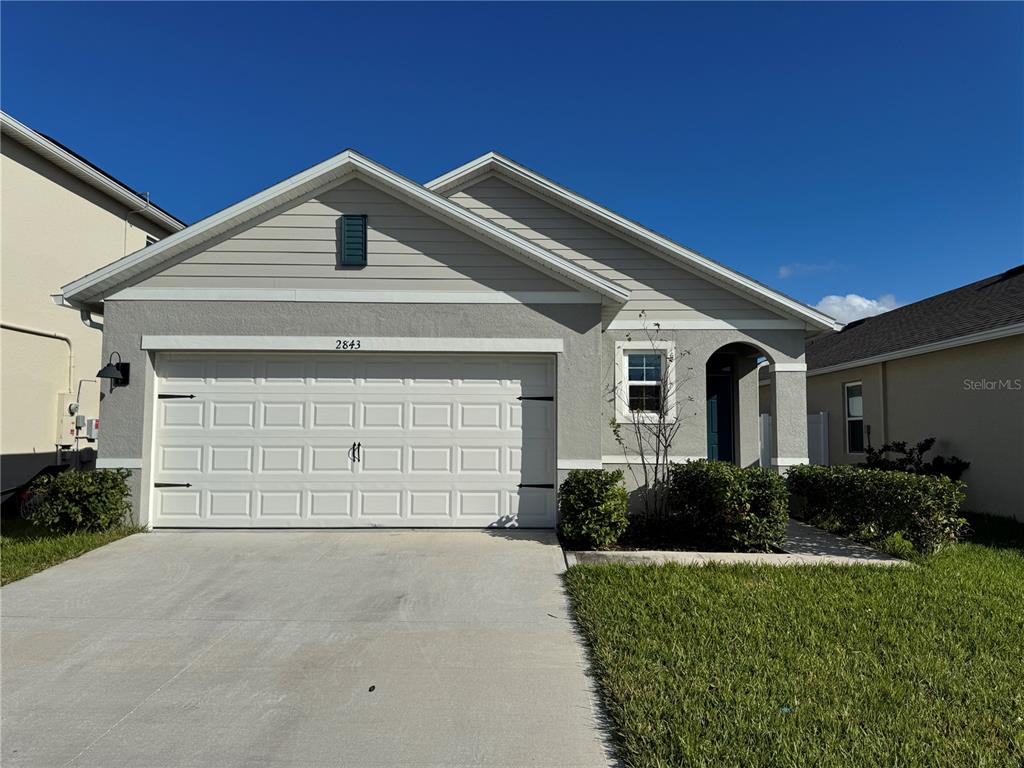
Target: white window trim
(668, 352)
(847, 418)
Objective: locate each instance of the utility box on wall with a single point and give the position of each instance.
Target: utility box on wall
(67, 407)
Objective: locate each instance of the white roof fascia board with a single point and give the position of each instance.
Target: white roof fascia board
(60, 157)
(923, 349)
(327, 173)
(682, 256)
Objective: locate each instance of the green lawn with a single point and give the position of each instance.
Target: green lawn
(812, 666)
(26, 549)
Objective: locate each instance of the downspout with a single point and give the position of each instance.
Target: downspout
(124, 246)
(884, 386)
(48, 335)
(87, 320)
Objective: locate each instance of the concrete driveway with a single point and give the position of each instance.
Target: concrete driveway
(361, 648)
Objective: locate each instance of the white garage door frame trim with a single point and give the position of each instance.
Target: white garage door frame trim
(343, 343)
(242, 344)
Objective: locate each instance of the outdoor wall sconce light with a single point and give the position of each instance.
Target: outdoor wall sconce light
(119, 373)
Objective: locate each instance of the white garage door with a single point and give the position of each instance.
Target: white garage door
(350, 439)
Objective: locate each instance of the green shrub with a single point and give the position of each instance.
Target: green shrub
(592, 507)
(874, 504)
(80, 501)
(723, 506)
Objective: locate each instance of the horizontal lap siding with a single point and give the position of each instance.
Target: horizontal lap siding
(407, 251)
(663, 290)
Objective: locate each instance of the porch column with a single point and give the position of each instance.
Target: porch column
(748, 442)
(789, 427)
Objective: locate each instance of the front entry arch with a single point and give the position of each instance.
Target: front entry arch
(731, 402)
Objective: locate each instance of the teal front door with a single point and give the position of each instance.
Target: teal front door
(719, 413)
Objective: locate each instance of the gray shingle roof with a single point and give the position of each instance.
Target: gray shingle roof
(986, 305)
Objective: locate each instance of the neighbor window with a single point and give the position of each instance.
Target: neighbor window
(644, 381)
(854, 417)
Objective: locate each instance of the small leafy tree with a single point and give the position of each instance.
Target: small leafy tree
(648, 435)
(906, 458)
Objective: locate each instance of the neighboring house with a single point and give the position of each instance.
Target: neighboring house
(59, 215)
(950, 367)
(350, 348)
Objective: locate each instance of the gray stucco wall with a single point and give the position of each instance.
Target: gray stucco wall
(124, 410)
(693, 348)
(585, 371)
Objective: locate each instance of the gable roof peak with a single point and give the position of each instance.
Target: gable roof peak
(671, 251)
(88, 291)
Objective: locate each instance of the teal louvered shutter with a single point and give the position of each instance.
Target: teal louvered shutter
(352, 241)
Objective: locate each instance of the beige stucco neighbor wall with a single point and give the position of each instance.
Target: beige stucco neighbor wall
(970, 398)
(53, 229)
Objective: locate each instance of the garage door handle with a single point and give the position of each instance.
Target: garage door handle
(355, 452)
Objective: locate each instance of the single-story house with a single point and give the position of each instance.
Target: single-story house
(949, 367)
(351, 348)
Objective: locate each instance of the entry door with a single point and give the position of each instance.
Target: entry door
(719, 413)
(354, 440)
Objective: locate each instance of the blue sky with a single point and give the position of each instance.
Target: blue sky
(825, 149)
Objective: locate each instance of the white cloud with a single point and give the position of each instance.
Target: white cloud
(803, 268)
(852, 307)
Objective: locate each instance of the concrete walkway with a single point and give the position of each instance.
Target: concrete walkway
(261, 649)
(805, 545)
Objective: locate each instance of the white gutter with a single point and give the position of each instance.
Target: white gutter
(64, 159)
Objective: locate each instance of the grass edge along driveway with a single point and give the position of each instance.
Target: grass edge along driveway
(26, 549)
(813, 665)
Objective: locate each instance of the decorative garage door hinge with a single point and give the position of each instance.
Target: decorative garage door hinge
(549, 398)
(175, 397)
(536, 485)
(172, 485)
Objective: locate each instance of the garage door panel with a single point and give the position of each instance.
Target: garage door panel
(230, 459)
(427, 416)
(479, 416)
(183, 414)
(331, 459)
(280, 504)
(330, 506)
(328, 415)
(229, 504)
(282, 415)
(429, 459)
(267, 441)
(429, 505)
(382, 415)
(230, 415)
(377, 504)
